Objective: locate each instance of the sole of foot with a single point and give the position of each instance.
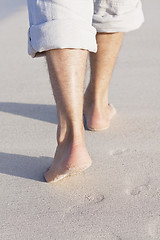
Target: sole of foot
(66, 173)
(113, 112)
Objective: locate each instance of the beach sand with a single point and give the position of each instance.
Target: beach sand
(118, 197)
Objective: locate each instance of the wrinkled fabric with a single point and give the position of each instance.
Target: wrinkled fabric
(74, 23)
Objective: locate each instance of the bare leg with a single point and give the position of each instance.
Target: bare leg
(67, 71)
(97, 111)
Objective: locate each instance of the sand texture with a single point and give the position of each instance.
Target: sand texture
(118, 197)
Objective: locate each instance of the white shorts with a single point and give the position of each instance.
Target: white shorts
(74, 23)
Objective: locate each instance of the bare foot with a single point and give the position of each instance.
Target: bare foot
(98, 117)
(69, 159)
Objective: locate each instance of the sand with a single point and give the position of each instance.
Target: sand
(118, 197)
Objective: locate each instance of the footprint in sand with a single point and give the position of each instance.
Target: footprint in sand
(118, 151)
(88, 202)
(137, 184)
(92, 198)
(138, 189)
(154, 228)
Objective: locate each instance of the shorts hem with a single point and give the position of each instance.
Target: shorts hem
(119, 23)
(59, 34)
(115, 29)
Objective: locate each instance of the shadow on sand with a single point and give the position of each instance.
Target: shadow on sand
(21, 165)
(46, 113)
(24, 166)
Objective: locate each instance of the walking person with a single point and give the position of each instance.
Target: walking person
(65, 32)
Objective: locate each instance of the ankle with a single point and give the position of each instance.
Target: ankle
(96, 98)
(97, 103)
(71, 134)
